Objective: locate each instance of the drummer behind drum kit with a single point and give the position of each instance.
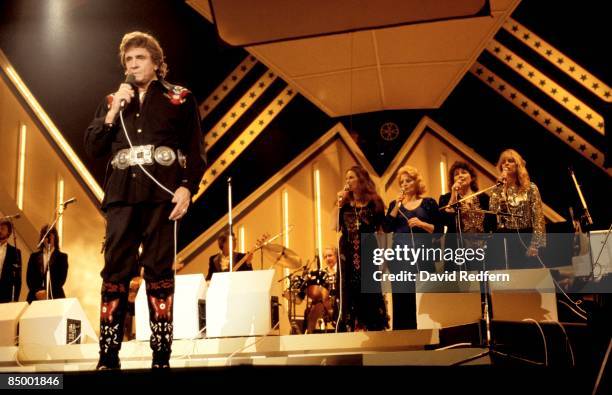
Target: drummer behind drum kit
(318, 287)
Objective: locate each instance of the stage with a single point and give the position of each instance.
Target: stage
(362, 348)
(319, 361)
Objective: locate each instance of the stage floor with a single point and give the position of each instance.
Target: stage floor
(406, 347)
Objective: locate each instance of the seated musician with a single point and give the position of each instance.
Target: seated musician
(330, 258)
(220, 262)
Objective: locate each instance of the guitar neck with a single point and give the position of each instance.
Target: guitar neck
(244, 258)
(241, 262)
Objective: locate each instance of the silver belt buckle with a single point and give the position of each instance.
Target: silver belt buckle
(121, 159)
(165, 156)
(141, 155)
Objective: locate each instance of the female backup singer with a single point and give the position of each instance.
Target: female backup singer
(411, 217)
(463, 181)
(361, 213)
(523, 228)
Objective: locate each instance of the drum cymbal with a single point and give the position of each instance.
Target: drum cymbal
(281, 255)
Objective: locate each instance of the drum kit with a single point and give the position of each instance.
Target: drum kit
(317, 287)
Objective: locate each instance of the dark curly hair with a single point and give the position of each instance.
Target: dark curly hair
(467, 167)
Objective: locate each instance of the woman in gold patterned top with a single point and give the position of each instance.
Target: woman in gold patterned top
(520, 197)
(463, 181)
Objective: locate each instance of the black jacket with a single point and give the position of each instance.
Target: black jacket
(58, 266)
(10, 278)
(168, 117)
(214, 264)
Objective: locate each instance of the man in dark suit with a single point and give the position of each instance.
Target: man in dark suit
(10, 266)
(151, 129)
(220, 262)
(47, 269)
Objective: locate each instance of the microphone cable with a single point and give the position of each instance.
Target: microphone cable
(158, 183)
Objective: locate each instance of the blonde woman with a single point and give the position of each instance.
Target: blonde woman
(411, 217)
(520, 198)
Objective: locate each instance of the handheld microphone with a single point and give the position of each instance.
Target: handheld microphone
(14, 216)
(67, 202)
(503, 178)
(129, 79)
(346, 189)
(403, 191)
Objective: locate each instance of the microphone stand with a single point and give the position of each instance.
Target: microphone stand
(58, 215)
(292, 308)
(340, 275)
(586, 215)
(60, 211)
(229, 214)
(485, 289)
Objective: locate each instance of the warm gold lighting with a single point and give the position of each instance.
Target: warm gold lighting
(241, 237)
(53, 131)
(21, 165)
(286, 217)
(60, 200)
(317, 191)
(443, 181)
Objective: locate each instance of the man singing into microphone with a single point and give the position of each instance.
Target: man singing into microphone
(165, 144)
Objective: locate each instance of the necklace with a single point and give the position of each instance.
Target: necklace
(357, 214)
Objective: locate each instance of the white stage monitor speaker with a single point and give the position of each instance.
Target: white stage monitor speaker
(239, 304)
(530, 294)
(55, 322)
(601, 253)
(188, 290)
(445, 304)
(9, 318)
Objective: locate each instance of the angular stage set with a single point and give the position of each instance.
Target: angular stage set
(296, 102)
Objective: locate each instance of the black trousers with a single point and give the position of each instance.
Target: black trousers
(127, 227)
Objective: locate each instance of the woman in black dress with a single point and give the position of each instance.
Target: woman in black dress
(412, 218)
(361, 214)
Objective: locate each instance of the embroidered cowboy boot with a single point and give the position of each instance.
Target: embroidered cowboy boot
(160, 296)
(112, 316)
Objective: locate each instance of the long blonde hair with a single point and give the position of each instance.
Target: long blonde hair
(523, 179)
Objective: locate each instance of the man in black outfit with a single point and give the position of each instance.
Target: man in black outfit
(10, 266)
(165, 141)
(47, 269)
(220, 262)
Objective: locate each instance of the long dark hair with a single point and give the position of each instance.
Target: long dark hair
(367, 187)
(53, 231)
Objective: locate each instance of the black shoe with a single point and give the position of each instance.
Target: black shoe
(108, 363)
(161, 361)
